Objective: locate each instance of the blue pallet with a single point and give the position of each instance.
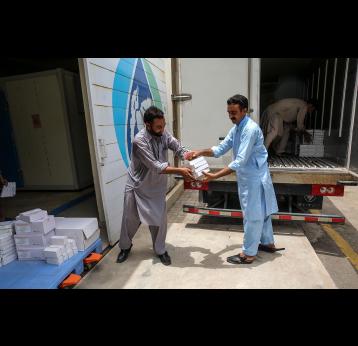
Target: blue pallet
(39, 274)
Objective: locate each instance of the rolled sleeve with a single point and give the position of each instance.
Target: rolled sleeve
(216, 151)
(162, 167)
(233, 165)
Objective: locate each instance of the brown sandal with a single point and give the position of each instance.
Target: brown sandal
(269, 249)
(237, 259)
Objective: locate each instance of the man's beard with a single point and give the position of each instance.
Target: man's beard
(155, 133)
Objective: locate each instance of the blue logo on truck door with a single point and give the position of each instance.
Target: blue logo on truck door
(134, 90)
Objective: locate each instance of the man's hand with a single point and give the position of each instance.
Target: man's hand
(187, 174)
(192, 155)
(307, 136)
(304, 134)
(209, 177)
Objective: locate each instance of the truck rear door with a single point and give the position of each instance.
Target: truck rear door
(210, 82)
(116, 93)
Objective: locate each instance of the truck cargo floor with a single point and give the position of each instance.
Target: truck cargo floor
(295, 162)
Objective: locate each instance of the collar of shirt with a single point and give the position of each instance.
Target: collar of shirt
(147, 134)
(242, 122)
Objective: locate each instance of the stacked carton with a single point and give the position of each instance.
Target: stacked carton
(198, 166)
(61, 249)
(34, 229)
(84, 231)
(7, 244)
(40, 236)
(316, 148)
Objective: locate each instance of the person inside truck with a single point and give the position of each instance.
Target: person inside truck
(146, 187)
(278, 121)
(255, 189)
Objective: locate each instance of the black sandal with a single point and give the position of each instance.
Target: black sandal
(237, 259)
(270, 249)
(244, 260)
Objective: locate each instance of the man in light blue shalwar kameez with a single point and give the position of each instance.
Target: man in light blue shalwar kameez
(256, 192)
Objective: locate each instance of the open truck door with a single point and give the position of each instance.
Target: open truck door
(202, 88)
(352, 150)
(116, 93)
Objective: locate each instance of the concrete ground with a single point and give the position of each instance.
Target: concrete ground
(339, 254)
(199, 246)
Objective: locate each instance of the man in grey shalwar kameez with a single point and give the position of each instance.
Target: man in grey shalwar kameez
(145, 191)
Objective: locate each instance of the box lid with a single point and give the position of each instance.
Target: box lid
(88, 226)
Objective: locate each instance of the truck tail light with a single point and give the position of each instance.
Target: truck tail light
(196, 185)
(327, 190)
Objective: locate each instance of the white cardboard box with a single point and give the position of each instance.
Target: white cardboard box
(6, 238)
(59, 240)
(6, 226)
(6, 231)
(70, 253)
(6, 247)
(199, 174)
(53, 251)
(64, 250)
(33, 239)
(22, 226)
(44, 225)
(65, 255)
(8, 250)
(72, 242)
(197, 162)
(8, 259)
(60, 248)
(30, 253)
(198, 166)
(8, 190)
(82, 242)
(32, 215)
(83, 230)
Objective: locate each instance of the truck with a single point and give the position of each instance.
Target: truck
(300, 181)
(103, 111)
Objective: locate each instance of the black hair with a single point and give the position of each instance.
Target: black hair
(152, 113)
(313, 102)
(240, 100)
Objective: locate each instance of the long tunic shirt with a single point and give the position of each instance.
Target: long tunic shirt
(145, 177)
(250, 163)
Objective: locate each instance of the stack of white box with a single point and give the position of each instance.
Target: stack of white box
(84, 231)
(34, 229)
(7, 243)
(61, 249)
(198, 166)
(317, 136)
(316, 148)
